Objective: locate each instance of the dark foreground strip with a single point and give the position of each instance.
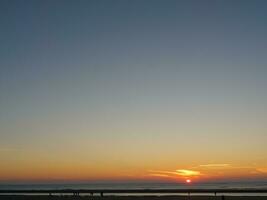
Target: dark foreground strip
(132, 191)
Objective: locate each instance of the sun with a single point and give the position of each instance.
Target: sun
(188, 181)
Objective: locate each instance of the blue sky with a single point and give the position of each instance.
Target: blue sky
(144, 74)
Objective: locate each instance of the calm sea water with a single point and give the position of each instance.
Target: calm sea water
(254, 185)
(239, 185)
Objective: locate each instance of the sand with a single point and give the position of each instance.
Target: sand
(70, 197)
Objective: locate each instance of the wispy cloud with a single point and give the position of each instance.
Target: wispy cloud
(162, 172)
(175, 173)
(211, 170)
(186, 172)
(215, 165)
(160, 175)
(262, 170)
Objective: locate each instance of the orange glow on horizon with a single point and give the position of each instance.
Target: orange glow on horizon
(72, 172)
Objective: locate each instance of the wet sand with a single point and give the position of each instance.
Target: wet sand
(70, 197)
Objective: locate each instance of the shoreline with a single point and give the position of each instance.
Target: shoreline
(117, 197)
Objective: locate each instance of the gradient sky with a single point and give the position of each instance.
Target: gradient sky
(133, 90)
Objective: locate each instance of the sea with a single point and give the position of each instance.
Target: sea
(131, 185)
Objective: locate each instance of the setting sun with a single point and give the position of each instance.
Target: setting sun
(160, 95)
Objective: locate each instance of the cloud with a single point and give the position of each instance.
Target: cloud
(160, 175)
(215, 165)
(211, 171)
(262, 170)
(163, 172)
(178, 172)
(186, 172)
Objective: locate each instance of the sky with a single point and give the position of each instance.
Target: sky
(150, 90)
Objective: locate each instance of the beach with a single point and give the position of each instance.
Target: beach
(178, 197)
